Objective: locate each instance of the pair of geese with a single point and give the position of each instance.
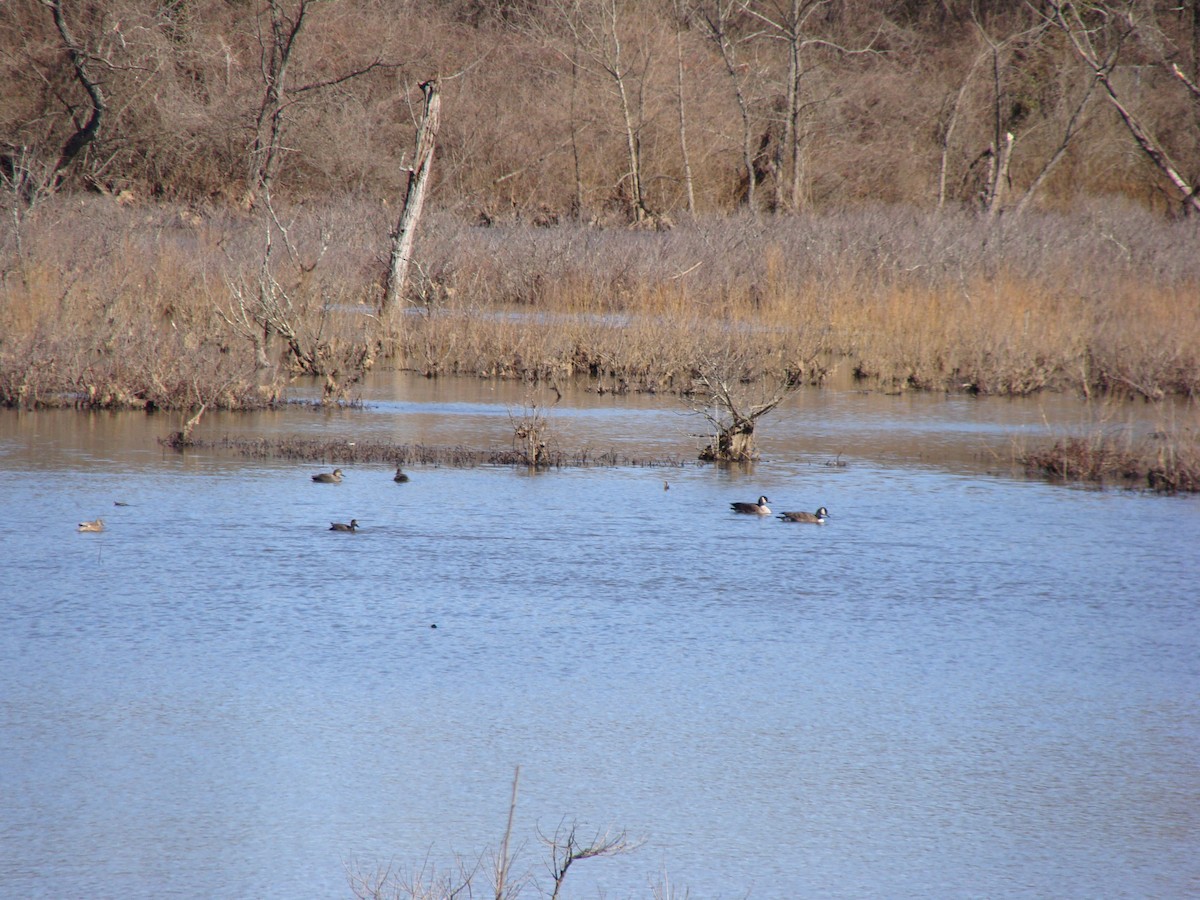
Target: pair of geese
(761, 509)
(335, 477)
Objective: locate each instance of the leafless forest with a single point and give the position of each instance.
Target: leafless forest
(609, 110)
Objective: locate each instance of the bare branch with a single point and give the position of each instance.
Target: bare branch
(566, 849)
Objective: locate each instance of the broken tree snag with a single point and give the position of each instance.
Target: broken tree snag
(414, 197)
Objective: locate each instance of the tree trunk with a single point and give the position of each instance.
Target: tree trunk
(633, 144)
(79, 62)
(683, 146)
(1000, 176)
(268, 134)
(414, 197)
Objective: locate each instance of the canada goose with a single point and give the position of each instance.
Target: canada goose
(817, 518)
(334, 477)
(757, 509)
(338, 526)
(97, 525)
(400, 476)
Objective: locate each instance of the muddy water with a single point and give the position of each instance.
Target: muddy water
(966, 684)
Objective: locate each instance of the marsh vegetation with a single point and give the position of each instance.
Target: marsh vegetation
(112, 307)
(736, 199)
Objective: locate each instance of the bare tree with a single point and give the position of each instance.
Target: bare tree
(720, 18)
(1099, 32)
(278, 55)
(689, 189)
(592, 36)
(791, 22)
(566, 849)
(24, 171)
(81, 63)
(732, 400)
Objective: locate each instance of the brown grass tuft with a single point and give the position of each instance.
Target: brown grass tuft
(1162, 461)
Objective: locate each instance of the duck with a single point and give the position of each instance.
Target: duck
(400, 476)
(817, 518)
(334, 477)
(339, 526)
(95, 525)
(757, 509)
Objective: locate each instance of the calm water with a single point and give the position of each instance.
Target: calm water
(966, 685)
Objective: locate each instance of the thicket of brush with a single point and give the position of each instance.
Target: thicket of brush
(106, 306)
(1167, 462)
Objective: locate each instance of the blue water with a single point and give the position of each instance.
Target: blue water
(962, 686)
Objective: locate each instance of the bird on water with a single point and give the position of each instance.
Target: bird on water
(756, 509)
(817, 518)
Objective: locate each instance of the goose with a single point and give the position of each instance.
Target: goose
(757, 509)
(817, 518)
(338, 526)
(400, 476)
(96, 525)
(334, 477)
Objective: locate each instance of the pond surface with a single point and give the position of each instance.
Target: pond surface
(967, 684)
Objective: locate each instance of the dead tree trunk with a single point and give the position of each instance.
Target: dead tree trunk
(999, 181)
(414, 197)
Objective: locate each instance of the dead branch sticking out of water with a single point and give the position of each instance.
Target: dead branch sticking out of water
(456, 457)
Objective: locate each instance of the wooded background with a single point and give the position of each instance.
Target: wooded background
(606, 110)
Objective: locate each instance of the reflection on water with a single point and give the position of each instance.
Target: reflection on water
(963, 685)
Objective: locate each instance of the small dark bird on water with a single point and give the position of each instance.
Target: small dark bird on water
(755, 509)
(338, 526)
(334, 477)
(400, 476)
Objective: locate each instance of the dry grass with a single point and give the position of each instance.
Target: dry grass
(112, 306)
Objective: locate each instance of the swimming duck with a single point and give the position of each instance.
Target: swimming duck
(334, 477)
(400, 476)
(817, 518)
(97, 525)
(757, 509)
(338, 526)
